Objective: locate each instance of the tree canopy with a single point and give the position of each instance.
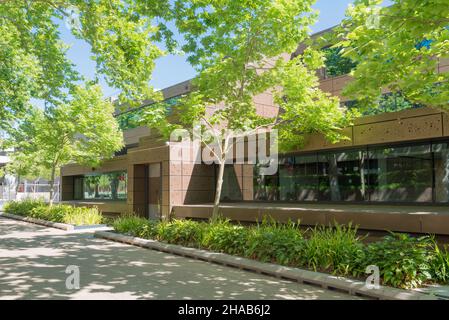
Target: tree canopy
(241, 48)
(397, 48)
(34, 64)
(83, 130)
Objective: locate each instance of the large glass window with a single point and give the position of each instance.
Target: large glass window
(298, 177)
(101, 186)
(342, 178)
(441, 160)
(336, 64)
(133, 118)
(266, 187)
(231, 189)
(401, 174)
(407, 173)
(388, 102)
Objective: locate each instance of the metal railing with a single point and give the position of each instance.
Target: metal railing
(28, 191)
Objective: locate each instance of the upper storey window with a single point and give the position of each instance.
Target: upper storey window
(133, 118)
(335, 64)
(388, 102)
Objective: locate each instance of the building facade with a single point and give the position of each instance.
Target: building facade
(396, 156)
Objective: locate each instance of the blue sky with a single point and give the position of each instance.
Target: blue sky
(174, 69)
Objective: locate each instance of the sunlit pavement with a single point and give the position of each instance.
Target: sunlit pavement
(33, 262)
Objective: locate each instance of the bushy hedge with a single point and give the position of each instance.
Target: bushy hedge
(56, 213)
(404, 261)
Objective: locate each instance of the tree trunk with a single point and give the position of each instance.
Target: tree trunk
(52, 185)
(97, 191)
(333, 178)
(219, 186)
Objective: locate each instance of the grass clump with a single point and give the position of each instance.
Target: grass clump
(404, 261)
(61, 213)
(334, 250)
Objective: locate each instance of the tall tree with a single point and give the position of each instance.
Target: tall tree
(241, 48)
(397, 48)
(33, 61)
(82, 130)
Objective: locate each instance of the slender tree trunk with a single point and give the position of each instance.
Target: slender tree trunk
(219, 186)
(52, 185)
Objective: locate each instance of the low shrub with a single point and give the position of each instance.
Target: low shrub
(275, 242)
(440, 264)
(134, 226)
(223, 236)
(81, 216)
(335, 249)
(403, 261)
(56, 213)
(183, 232)
(53, 213)
(23, 207)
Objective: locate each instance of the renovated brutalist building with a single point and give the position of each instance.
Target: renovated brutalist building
(393, 174)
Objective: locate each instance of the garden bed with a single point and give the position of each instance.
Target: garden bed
(404, 262)
(58, 216)
(323, 280)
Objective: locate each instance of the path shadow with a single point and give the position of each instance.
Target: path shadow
(33, 260)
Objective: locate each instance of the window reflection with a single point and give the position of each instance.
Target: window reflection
(401, 174)
(342, 178)
(102, 186)
(441, 160)
(298, 177)
(265, 187)
(418, 173)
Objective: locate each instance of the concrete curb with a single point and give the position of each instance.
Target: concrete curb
(326, 281)
(57, 225)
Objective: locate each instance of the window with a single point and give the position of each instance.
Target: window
(389, 102)
(441, 160)
(298, 178)
(265, 187)
(101, 186)
(408, 173)
(132, 118)
(342, 176)
(335, 64)
(401, 174)
(231, 189)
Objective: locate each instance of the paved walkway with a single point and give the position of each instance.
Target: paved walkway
(33, 260)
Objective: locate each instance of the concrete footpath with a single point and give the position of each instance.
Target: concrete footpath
(34, 259)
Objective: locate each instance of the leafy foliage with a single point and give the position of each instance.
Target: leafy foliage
(135, 226)
(440, 264)
(58, 213)
(333, 249)
(82, 130)
(337, 65)
(183, 232)
(403, 261)
(226, 237)
(397, 48)
(81, 216)
(242, 49)
(122, 35)
(22, 207)
(272, 241)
